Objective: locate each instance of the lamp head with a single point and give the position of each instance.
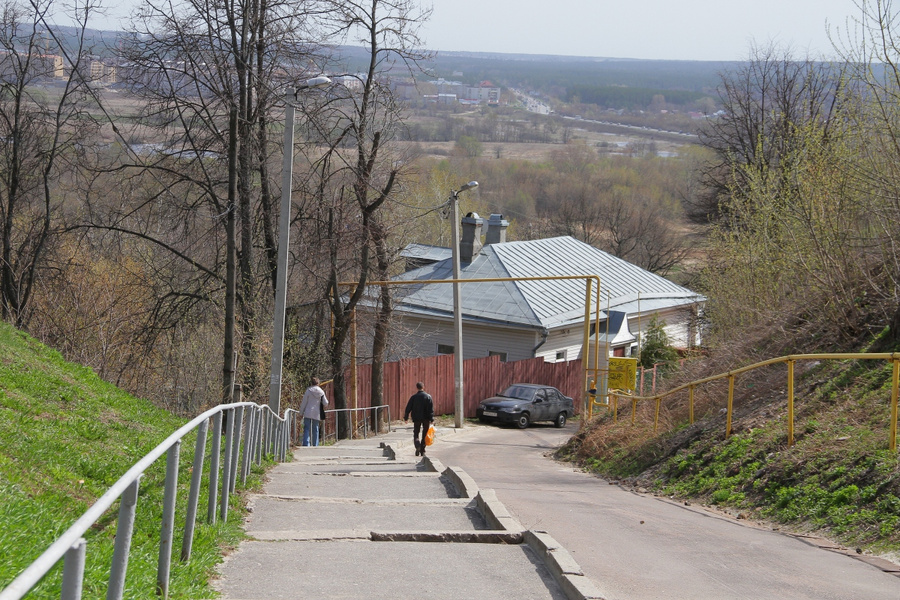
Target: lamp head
(315, 82)
(468, 186)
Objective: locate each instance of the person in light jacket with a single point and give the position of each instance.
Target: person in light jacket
(311, 407)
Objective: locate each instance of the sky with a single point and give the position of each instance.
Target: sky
(648, 29)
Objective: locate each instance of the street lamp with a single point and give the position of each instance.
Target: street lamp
(284, 222)
(457, 304)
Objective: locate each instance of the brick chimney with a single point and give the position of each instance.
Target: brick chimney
(496, 230)
(470, 244)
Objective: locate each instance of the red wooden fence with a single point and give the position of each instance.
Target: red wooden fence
(484, 377)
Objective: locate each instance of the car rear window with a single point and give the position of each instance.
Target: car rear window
(520, 392)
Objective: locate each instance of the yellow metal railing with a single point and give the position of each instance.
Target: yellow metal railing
(790, 360)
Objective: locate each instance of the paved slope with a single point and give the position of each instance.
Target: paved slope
(639, 547)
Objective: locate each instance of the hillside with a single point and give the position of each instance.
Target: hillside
(839, 480)
(65, 437)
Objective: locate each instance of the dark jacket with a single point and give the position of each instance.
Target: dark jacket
(421, 406)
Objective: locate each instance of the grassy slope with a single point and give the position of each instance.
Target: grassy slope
(65, 437)
(838, 480)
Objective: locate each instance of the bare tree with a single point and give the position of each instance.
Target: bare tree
(209, 74)
(764, 103)
(358, 175)
(42, 134)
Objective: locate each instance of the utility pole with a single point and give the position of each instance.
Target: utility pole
(457, 305)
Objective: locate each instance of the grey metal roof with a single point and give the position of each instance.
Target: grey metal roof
(538, 304)
(426, 252)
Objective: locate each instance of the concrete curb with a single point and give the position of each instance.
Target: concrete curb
(465, 485)
(562, 566)
(507, 530)
(495, 513)
(460, 537)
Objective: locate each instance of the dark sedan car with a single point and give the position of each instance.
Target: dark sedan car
(522, 403)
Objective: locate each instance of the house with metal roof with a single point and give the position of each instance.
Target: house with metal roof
(517, 320)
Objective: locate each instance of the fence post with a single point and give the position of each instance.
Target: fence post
(214, 469)
(73, 571)
(790, 403)
(730, 404)
(238, 415)
(226, 468)
(190, 518)
(248, 446)
(691, 404)
(167, 528)
(124, 531)
(656, 420)
(895, 391)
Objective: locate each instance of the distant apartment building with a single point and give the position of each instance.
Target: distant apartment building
(484, 93)
(48, 66)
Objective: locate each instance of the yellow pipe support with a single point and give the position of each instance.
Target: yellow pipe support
(585, 353)
(790, 402)
(730, 404)
(895, 391)
(691, 404)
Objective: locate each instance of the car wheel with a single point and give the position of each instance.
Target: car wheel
(560, 420)
(523, 421)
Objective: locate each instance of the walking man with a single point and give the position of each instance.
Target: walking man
(312, 407)
(421, 406)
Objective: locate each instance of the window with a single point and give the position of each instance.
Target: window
(445, 349)
(560, 355)
(502, 355)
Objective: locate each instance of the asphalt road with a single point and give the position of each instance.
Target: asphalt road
(636, 546)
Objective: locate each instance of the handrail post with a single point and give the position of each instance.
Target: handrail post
(167, 527)
(214, 469)
(226, 468)
(238, 414)
(190, 518)
(730, 405)
(73, 571)
(248, 446)
(895, 391)
(124, 531)
(790, 403)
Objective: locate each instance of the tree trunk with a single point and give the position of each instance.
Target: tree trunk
(230, 275)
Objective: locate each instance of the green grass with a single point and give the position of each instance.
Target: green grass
(65, 437)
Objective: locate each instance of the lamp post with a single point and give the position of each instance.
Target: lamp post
(457, 303)
(284, 222)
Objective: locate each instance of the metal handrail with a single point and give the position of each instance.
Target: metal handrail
(893, 357)
(264, 432)
(292, 414)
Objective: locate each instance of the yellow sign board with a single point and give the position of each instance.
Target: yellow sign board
(622, 374)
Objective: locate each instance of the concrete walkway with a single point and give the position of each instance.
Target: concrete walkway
(369, 519)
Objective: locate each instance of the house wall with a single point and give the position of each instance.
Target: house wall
(421, 338)
(415, 337)
(562, 340)
(678, 326)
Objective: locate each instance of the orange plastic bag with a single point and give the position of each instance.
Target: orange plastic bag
(429, 435)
